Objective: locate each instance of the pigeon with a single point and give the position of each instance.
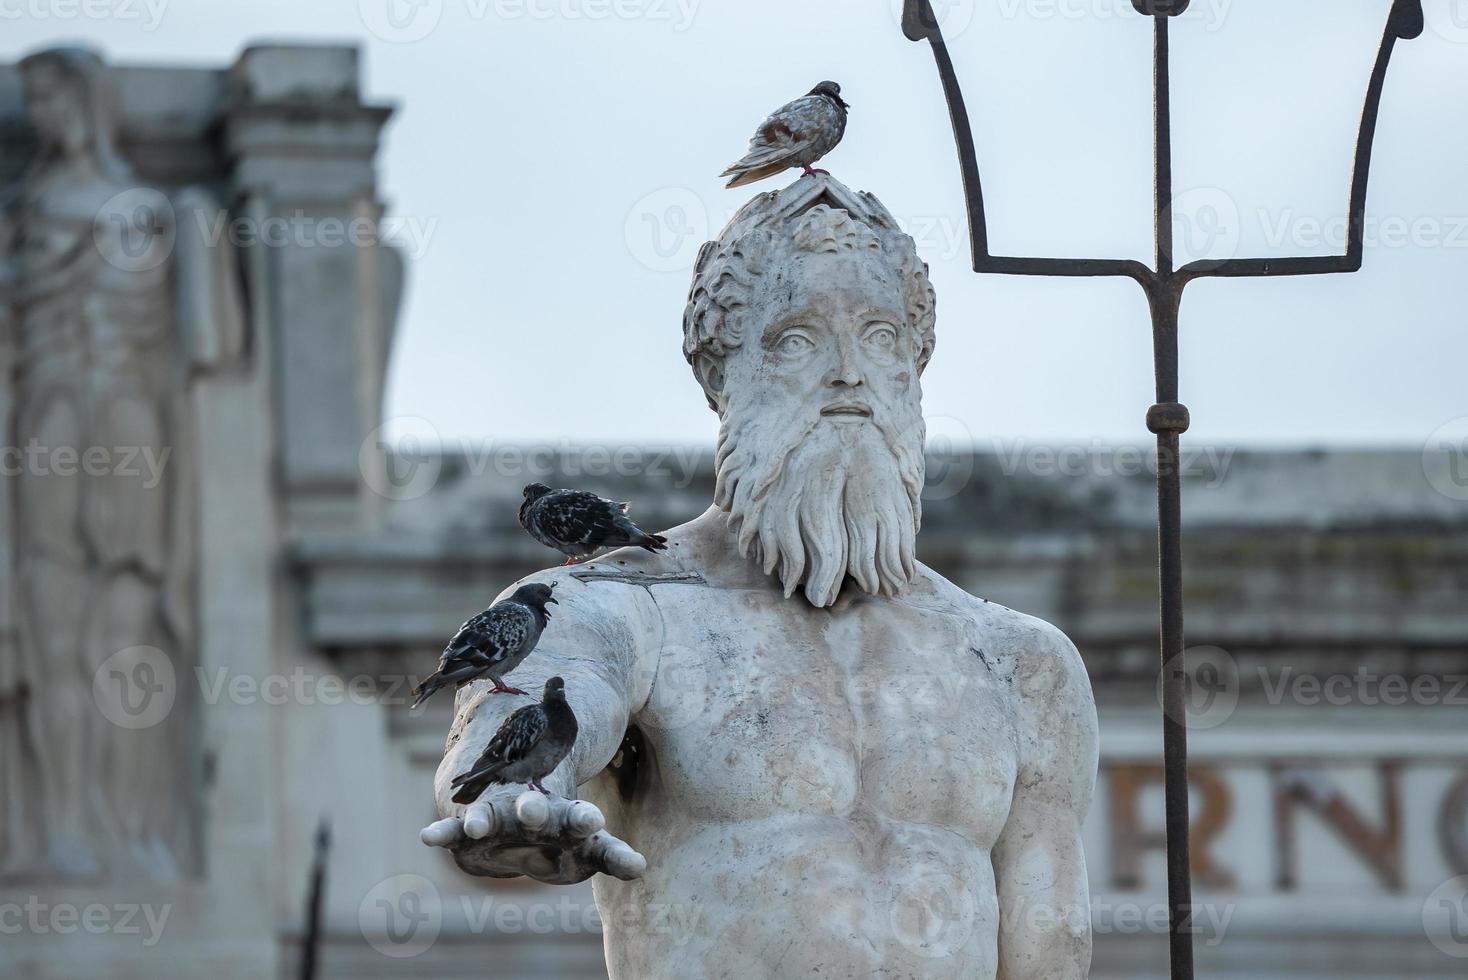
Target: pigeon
(526, 749)
(797, 135)
(578, 523)
(492, 644)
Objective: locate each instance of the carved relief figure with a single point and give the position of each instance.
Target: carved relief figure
(821, 758)
(113, 303)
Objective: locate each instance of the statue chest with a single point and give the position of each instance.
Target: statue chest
(879, 711)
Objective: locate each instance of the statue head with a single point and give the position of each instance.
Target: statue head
(809, 323)
(69, 98)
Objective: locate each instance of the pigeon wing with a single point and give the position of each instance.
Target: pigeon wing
(517, 737)
(781, 137)
(578, 517)
(490, 637)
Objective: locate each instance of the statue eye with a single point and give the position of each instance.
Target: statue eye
(794, 342)
(881, 335)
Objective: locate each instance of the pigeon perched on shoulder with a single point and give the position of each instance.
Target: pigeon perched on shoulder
(493, 643)
(578, 523)
(527, 748)
(796, 135)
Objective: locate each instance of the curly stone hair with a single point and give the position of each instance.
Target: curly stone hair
(729, 268)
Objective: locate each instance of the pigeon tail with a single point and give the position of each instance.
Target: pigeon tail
(473, 783)
(470, 789)
(426, 690)
(755, 175)
(636, 537)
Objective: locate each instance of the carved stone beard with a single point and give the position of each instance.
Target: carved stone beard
(814, 500)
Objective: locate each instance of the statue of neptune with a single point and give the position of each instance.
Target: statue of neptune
(824, 759)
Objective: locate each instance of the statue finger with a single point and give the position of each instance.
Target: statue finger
(616, 857)
(480, 820)
(533, 810)
(582, 819)
(443, 833)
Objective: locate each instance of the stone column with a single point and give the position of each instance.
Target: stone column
(301, 146)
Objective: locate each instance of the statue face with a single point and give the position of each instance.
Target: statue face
(834, 340)
(820, 461)
(56, 109)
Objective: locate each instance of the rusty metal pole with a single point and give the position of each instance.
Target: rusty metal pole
(1167, 418)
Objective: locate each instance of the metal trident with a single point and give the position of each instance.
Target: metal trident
(1168, 418)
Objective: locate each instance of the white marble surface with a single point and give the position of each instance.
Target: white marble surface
(849, 767)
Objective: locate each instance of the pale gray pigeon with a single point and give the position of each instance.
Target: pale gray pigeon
(797, 135)
(492, 643)
(527, 748)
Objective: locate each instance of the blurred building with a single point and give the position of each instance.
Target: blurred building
(1330, 681)
(1324, 589)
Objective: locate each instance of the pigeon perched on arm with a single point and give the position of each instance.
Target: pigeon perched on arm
(527, 748)
(796, 135)
(578, 523)
(493, 643)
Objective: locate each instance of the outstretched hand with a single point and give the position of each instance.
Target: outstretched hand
(510, 831)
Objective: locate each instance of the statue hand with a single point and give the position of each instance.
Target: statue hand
(510, 831)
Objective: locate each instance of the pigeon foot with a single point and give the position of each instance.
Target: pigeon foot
(502, 689)
(812, 171)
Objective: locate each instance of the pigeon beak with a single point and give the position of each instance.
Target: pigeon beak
(554, 601)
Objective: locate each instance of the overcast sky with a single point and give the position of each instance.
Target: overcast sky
(552, 166)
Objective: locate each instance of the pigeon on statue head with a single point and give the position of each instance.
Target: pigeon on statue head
(796, 135)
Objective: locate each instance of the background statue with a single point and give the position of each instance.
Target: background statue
(114, 300)
(835, 762)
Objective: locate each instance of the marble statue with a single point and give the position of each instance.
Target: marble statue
(823, 759)
(111, 301)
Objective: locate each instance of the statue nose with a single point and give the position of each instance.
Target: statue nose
(846, 372)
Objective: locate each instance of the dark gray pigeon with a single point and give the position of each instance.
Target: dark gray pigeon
(796, 135)
(578, 523)
(493, 643)
(526, 749)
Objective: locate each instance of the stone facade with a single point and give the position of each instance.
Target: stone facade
(159, 230)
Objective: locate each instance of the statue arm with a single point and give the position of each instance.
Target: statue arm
(211, 307)
(597, 640)
(1039, 864)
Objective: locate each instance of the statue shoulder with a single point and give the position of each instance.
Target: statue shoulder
(1048, 670)
(1035, 657)
(1055, 710)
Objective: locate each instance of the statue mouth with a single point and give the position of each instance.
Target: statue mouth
(846, 412)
